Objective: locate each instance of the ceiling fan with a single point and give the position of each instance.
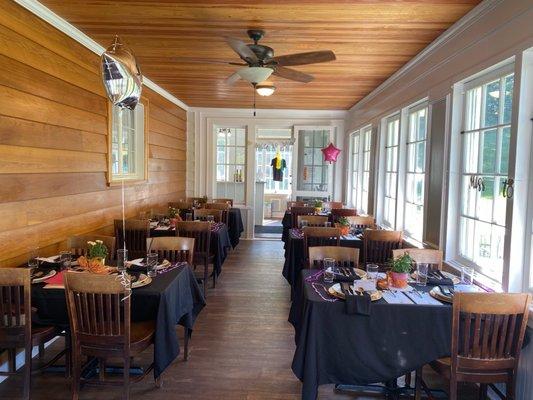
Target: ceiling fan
(260, 62)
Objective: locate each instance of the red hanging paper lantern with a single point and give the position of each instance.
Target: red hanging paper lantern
(331, 153)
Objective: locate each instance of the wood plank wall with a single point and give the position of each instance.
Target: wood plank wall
(53, 142)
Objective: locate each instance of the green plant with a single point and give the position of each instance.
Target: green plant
(172, 212)
(343, 221)
(318, 203)
(402, 264)
(97, 249)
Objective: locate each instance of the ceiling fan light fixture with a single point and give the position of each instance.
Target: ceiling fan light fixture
(265, 89)
(255, 74)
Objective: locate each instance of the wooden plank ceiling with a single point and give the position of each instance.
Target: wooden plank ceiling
(371, 38)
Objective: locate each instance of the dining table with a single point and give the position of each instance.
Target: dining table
(295, 252)
(172, 298)
(220, 240)
(337, 347)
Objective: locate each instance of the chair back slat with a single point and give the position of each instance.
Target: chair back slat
(136, 232)
(488, 330)
(379, 244)
(296, 211)
(199, 231)
(174, 249)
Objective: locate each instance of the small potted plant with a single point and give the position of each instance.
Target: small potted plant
(344, 225)
(174, 215)
(318, 206)
(97, 251)
(400, 269)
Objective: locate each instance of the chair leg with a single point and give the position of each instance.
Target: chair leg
(126, 383)
(511, 386)
(41, 351)
(12, 359)
(214, 277)
(206, 267)
(482, 391)
(453, 389)
(101, 369)
(186, 344)
(27, 372)
(418, 379)
(76, 372)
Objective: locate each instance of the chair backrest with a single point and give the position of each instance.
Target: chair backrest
(378, 245)
(487, 332)
(336, 213)
(202, 214)
(136, 232)
(99, 311)
(224, 201)
(199, 200)
(332, 205)
(200, 231)
(345, 256)
(291, 204)
(319, 236)
(172, 248)
(78, 244)
(15, 307)
(295, 211)
(180, 205)
(427, 256)
(224, 209)
(312, 220)
(362, 222)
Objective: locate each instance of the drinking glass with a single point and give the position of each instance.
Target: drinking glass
(32, 259)
(422, 274)
(65, 259)
(122, 258)
(210, 218)
(372, 271)
(467, 275)
(327, 224)
(151, 264)
(303, 223)
(329, 267)
(188, 216)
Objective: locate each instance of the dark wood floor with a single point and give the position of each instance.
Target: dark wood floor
(241, 348)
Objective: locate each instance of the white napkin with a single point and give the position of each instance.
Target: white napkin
(162, 228)
(52, 259)
(138, 262)
(424, 298)
(396, 297)
(368, 285)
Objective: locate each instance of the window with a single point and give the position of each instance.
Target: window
(313, 171)
(415, 171)
(485, 143)
(128, 158)
(360, 169)
(263, 158)
(231, 163)
(392, 139)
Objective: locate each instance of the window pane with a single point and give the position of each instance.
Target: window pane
(473, 107)
(230, 154)
(221, 155)
(420, 157)
(240, 155)
(488, 151)
(240, 136)
(485, 199)
(470, 152)
(492, 103)
(508, 101)
(504, 157)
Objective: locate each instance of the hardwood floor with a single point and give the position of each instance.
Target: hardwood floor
(241, 348)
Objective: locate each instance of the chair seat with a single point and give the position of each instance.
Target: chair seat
(442, 366)
(42, 334)
(141, 335)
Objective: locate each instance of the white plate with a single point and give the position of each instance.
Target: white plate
(336, 291)
(51, 273)
(142, 281)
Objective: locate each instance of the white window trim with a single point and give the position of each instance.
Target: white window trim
(383, 166)
(357, 203)
(141, 155)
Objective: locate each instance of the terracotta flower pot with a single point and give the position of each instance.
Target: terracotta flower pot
(318, 210)
(399, 279)
(345, 229)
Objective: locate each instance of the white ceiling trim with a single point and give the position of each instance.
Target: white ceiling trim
(56, 21)
(465, 22)
(270, 113)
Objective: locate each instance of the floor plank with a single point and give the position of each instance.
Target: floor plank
(241, 348)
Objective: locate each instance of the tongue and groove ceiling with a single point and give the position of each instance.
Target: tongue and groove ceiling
(371, 39)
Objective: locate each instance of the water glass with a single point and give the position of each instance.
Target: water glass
(467, 275)
(122, 259)
(372, 271)
(151, 264)
(32, 259)
(210, 218)
(329, 267)
(422, 270)
(65, 259)
(327, 224)
(188, 216)
(303, 223)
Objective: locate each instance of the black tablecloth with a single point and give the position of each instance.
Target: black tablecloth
(286, 223)
(335, 347)
(295, 255)
(235, 225)
(220, 242)
(172, 298)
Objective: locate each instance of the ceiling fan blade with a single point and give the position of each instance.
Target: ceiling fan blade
(311, 57)
(293, 75)
(232, 79)
(241, 49)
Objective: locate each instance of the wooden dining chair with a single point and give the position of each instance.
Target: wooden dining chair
(172, 248)
(201, 232)
(224, 201)
(180, 205)
(320, 236)
(487, 334)
(291, 204)
(135, 234)
(332, 205)
(202, 214)
(101, 327)
(224, 209)
(427, 256)
(199, 200)
(296, 211)
(378, 245)
(345, 256)
(362, 222)
(337, 213)
(16, 329)
(312, 220)
(78, 244)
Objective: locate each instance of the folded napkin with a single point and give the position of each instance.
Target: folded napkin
(437, 279)
(345, 275)
(51, 260)
(55, 282)
(356, 304)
